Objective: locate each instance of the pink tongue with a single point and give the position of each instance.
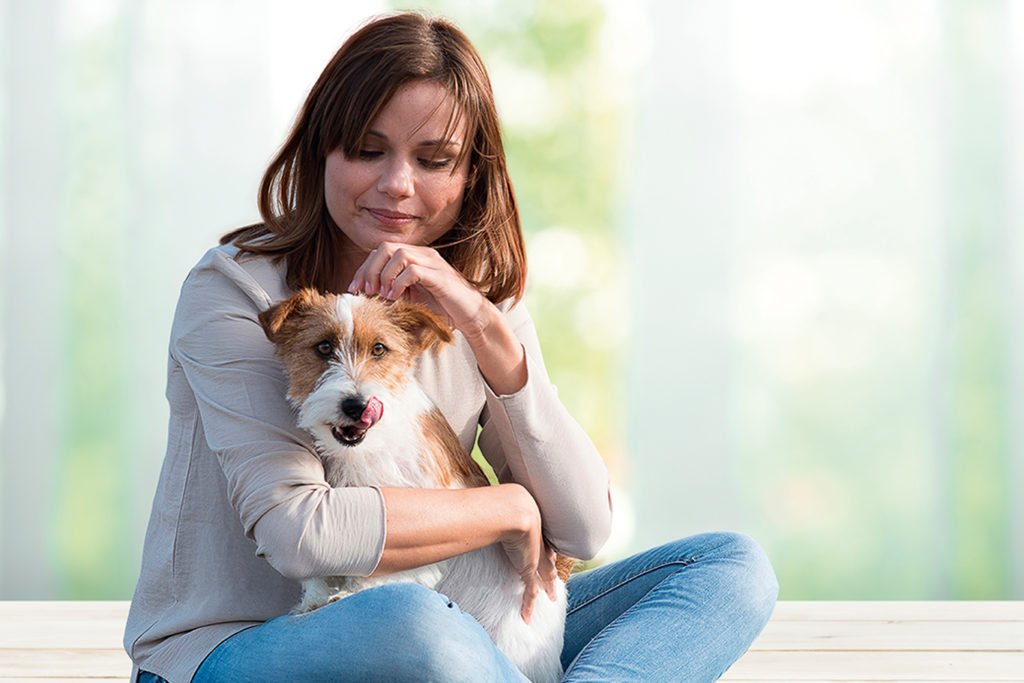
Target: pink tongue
(374, 411)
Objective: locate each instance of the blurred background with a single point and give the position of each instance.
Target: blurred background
(777, 263)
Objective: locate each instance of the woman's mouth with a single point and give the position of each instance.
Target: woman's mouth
(391, 218)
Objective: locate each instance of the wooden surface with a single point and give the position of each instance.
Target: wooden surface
(805, 641)
(62, 641)
(888, 641)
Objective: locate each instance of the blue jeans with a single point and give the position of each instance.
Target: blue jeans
(684, 611)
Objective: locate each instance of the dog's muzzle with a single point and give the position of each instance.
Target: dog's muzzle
(365, 413)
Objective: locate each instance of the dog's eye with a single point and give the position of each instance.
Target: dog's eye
(324, 349)
(379, 350)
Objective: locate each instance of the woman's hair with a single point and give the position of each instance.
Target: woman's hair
(485, 244)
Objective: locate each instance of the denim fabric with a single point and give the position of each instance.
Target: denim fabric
(684, 611)
(392, 633)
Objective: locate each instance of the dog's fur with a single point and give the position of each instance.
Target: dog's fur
(342, 352)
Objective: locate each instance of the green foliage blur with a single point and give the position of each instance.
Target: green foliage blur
(866, 386)
(562, 153)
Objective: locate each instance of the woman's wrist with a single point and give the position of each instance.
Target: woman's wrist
(499, 353)
(522, 513)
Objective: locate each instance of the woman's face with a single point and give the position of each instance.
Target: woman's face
(402, 185)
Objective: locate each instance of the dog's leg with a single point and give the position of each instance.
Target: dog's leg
(315, 593)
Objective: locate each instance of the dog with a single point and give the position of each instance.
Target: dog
(350, 363)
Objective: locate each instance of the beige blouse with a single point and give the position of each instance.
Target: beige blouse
(242, 513)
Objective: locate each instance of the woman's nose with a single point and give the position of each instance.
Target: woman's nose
(396, 180)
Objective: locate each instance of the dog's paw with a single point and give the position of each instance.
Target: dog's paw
(340, 595)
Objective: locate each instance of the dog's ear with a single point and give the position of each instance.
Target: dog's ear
(427, 329)
(273, 318)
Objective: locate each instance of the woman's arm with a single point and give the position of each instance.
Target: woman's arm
(227, 371)
(528, 436)
(499, 354)
(429, 525)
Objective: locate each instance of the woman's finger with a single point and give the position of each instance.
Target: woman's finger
(374, 265)
(433, 282)
(399, 261)
(367, 277)
(408, 277)
(529, 597)
(547, 572)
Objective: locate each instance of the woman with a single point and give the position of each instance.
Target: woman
(393, 182)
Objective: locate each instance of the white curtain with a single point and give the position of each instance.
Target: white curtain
(825, 217)
(820, 225)
(134, 134)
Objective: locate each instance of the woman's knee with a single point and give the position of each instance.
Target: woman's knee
(746, 569)
(734, 564)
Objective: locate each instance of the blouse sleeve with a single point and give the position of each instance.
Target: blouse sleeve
(301, 525)
(529, 437)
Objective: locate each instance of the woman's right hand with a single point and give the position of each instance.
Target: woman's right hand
(530, 555)
(429, 525)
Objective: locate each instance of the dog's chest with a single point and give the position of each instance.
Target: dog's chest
(394, 452)
(370, 468)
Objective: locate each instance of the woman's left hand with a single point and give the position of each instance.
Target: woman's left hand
(421, 276)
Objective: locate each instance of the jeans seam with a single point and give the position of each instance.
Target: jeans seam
(681, 563)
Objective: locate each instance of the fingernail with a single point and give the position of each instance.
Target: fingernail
(352, 286)
(382, 289)
(391, 293)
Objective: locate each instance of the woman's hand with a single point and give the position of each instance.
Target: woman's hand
(421, 276)
(530, 555)
(430, 525)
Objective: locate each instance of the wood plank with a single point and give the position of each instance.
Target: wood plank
(878, 666)
(805, 641)
(66, 663)
(98, 609)
(62, 640)
(883, 610)
(888, 641)
(73, 631)
(893, 635)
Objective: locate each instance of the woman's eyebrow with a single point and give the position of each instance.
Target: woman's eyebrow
(425, 143)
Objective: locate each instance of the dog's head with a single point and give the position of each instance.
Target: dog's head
(348, 357)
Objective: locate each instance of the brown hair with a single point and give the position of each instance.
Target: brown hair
(486, 242)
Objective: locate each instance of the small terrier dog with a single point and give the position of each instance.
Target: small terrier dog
(350, 362)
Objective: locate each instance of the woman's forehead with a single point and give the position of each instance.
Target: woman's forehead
(420, 113)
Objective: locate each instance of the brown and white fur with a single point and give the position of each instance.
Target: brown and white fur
(341, 352)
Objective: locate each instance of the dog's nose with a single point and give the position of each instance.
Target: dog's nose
(353, 407)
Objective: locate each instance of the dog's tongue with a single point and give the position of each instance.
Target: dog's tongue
(374, 411)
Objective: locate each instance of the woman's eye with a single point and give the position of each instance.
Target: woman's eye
(379, 350)
(435, 164)
(369, 153)
(324, 349)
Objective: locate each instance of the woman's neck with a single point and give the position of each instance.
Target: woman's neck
(350, 257)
